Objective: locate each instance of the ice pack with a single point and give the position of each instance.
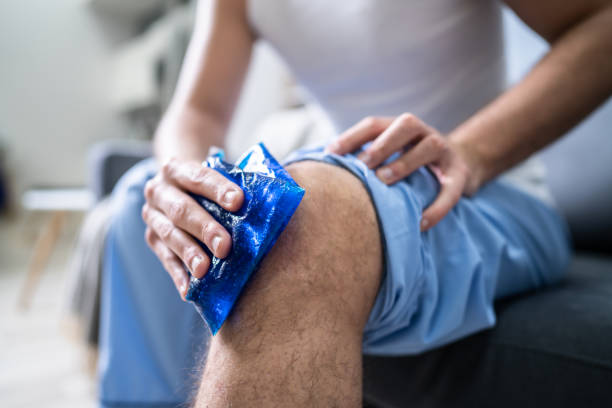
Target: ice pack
(271, 197)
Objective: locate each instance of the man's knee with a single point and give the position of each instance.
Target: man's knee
(330, 253)
(336, 223)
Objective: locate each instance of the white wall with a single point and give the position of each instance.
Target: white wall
(55, 89)
(53, 81)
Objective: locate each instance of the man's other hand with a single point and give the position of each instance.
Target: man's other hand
(419, 145)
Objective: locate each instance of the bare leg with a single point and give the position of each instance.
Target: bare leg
(294, 338)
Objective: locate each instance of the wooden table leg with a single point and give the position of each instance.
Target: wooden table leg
(42, 251)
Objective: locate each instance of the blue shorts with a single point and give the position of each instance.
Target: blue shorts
(438, 286)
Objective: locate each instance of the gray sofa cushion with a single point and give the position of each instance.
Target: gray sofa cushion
(110, 159)
(552, 349)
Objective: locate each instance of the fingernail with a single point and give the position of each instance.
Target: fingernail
(230, 197)
(386, 174)
(183, 289)
(424, 224)
(216, 242)
(195, 262)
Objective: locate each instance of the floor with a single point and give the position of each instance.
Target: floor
(42, 364)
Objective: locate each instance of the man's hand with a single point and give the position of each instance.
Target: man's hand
(419, 145)
(173, 218)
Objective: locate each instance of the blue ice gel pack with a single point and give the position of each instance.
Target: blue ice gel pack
(270, 199)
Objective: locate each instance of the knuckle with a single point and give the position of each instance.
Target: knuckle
(370, 122)
(149, 237)
(207, 179)
(167, 258)
(438, 143)
(144, 212)
(404, 127)
(205, 231)
(177, 210)
(407, 119)
(210, 230)
(165, 230)
(338, 144)
(400, 167)
(189, 253)
(168, 168)
(200, 174)
(149, 189)
(375, 151)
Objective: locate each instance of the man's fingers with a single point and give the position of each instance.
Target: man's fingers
(170, 261)
(185, 213)
(364, 131)
(202, 180)
(404, 130)
(428, 150)
(451, 189)
(177, 240)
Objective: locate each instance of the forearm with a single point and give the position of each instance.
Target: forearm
(563, 88)
(209, 84)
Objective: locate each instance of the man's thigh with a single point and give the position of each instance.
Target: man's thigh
(149, 338)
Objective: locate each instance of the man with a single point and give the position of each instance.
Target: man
(381, 256)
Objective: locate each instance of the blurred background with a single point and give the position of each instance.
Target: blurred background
(82, 86)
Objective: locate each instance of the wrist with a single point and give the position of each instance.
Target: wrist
(187, 134)
(475, 165)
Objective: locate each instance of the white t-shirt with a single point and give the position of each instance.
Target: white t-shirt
(441, 60)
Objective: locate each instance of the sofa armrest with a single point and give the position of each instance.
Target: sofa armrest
(109, 160)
